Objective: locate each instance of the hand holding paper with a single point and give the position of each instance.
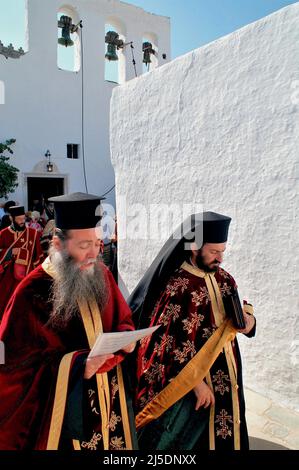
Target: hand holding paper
(94, 363)
(109, 343)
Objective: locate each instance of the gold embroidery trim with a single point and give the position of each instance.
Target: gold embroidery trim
(221, 310)
(48, 267)
(59, 401)
(76, 444)
(230, 359)
(32, 249)
(216, 312)
(28, 254)
(89, 321)
(213, 289)
(93, 326)
(21, 262)
(104, 381)
(96, 318)
(194, 372)
(234, 391)
(16, 239)
(212, 417)
(124, 409)
(220, 315)
(192, 270)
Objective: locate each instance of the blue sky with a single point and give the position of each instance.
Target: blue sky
(193, 22)
(198, 22)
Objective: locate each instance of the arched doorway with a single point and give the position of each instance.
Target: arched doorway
(41, 188)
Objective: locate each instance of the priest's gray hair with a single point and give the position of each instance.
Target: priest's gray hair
(71, 283)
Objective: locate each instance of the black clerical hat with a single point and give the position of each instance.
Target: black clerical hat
(77, 211)
(215, 227)
(204, 227)
(14, 211)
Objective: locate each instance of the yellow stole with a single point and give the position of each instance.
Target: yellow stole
(93, 327)
(199, 366)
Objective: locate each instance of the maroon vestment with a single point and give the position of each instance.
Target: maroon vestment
(12, 267)
(33, 353)
(188, 313)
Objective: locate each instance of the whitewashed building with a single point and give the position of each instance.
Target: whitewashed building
(219, 130)
(67, 111)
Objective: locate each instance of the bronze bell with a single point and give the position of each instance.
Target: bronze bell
(112, 40)
(65, 23)
(147, 49)
(111, 52)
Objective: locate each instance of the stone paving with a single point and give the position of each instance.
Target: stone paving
(270, 426)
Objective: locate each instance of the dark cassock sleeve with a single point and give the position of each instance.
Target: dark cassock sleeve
(117, 316)
(233, 283)
(28, 377)
(5, 252)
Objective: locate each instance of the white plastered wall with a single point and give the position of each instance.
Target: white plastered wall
(220, 127)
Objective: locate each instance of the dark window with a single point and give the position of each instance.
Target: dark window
(72, 150)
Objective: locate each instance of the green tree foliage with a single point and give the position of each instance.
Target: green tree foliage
(8, 173)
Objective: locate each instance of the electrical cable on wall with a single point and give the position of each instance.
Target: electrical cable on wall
(109, 190)
(82, 107)
(82, 111)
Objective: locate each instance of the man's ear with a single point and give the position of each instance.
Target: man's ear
(194, 248)
(57, 244)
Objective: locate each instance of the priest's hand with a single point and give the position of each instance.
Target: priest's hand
(94, 363)
(204, 395)
(249, 322)
(130, 348)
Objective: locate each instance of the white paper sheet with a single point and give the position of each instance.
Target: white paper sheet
(109, 343)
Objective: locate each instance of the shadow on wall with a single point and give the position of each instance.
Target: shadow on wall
(261, 444)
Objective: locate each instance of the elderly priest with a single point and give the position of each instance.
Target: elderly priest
(52, 396)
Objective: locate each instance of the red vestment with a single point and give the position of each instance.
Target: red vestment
(29, 255)
(188, 312)
(33, 353)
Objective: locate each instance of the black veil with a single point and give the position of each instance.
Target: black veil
(169, 258)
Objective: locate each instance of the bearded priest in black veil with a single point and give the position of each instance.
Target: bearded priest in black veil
(188, 383)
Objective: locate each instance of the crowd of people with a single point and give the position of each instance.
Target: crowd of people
(41, 218)
(177, 389)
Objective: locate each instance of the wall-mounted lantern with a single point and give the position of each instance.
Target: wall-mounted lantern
(49, 164)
